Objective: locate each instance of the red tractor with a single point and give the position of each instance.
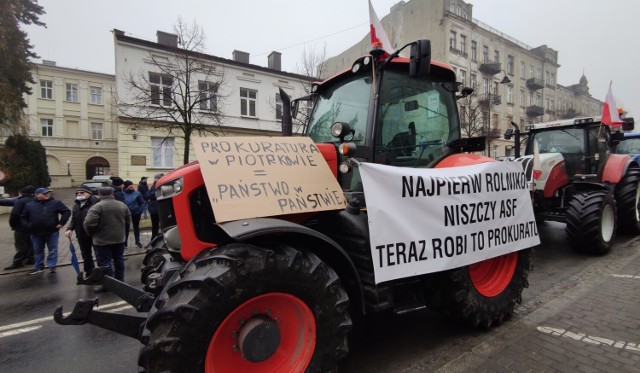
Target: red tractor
(582, 183)
(278, 294)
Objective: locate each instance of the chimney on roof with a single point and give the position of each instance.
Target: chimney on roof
(48, 63)
(240, 56)
(167, 39)
(275, 61)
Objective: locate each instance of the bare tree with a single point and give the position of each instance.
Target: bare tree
(181, 92)
(313, 65)
(471, 122)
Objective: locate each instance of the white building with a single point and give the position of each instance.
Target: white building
(244, 96)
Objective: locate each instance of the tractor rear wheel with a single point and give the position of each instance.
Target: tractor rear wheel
(591, 221)
(242, 308)
(628, 198)
(483, 294)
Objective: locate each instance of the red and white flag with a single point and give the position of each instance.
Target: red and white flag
(537, 167)
(378, 35)
(610, 116)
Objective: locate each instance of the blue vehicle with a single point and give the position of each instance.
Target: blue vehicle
(630, 144)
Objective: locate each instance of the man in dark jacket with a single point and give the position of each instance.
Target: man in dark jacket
(117, 184)
(43, 217)
(84, 201)
(105, 223)
(143, 189)
(21, 236)
(153, 207)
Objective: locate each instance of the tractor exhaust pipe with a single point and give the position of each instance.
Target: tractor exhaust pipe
(287, 126)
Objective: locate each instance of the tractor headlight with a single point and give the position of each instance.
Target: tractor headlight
(169, 189)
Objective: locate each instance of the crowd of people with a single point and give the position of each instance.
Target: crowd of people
(100, 222)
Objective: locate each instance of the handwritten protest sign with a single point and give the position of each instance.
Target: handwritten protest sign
(429, 220)
(249, 177)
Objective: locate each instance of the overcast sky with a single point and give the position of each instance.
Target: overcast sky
(596, 37)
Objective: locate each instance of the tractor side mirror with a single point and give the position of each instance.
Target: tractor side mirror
(420, 58)
(508, 134)
(616, 137)
(628, 124)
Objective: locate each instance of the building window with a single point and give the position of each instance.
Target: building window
(485, 54)
(162, 148)
(530, 71)
(474, 51)
(248, 102)
(540, 73)
(463, 43)
(208, 96)
(160, 86)
(485, 86)
(463, 77)
(453, 40)
(47, 127)
(496, 56)
(509, 95)
(96, 95)
(474, 80)
(96, 131)
(278, 106)
(522, 98)
(72, 92)
(46, 89)
(553, 79)
(510, 64)
(523, 70)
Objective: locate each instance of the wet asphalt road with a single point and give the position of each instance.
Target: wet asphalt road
(30, 341)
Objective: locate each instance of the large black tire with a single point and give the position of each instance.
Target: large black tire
(484, 294)
(628, 197)
(591, 222)
(222, 287)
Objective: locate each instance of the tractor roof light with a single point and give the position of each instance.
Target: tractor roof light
(341, 130)
(583, 121)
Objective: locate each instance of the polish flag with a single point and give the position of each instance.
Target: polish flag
(610, 116)
(537, 168)
(378, 35)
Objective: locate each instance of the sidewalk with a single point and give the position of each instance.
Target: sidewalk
(66, 195)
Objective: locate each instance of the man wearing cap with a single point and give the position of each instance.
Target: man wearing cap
(105, 222)
(84, 201)
(21, 236)
(43, 217)
(153, 207)
(117, 184)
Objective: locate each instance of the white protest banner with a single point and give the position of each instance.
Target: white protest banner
(429, 220)
(249, 177)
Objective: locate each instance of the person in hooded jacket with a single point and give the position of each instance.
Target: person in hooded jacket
(84, 201)
(153, 207)
(143, 189)
(135, 202)
(43, 217)
(21, 236)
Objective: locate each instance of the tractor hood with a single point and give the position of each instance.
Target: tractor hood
(551, 164)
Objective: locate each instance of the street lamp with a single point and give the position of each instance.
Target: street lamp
(68, 168)
(505, 80)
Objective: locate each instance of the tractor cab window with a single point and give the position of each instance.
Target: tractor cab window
(346, 102)
(416, 118)
(567, 141)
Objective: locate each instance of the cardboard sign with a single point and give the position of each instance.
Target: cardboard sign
(249, 177)
(429, 220)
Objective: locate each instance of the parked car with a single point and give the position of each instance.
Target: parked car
(95, 185)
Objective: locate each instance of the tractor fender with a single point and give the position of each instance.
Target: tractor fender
(323, 246)
(461, 159)
(616, 167)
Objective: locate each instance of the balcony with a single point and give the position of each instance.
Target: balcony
(534, 111)
(458, 52)
(490, 68)
(485, 99)
(534, 84)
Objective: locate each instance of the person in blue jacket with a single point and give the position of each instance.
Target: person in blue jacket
(135, 202)
(43, 217)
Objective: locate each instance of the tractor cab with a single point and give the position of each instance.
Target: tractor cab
(386, 111)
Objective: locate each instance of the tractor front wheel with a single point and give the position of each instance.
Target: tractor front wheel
(483, 294)
(628, 198)
(243, 308)
(591, 221)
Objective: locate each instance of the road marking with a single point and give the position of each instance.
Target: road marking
(40, 320)
(598, 341)
(626, 276)
(19, 331)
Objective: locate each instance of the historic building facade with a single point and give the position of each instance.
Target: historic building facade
(513, 82)
(71, 113)
(244, 98)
